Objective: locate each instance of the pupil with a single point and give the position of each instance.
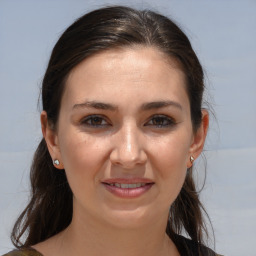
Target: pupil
(96, 120)
(157, 121)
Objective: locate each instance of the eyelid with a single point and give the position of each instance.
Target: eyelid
(171, 121)
(165, 121)
(90, 117)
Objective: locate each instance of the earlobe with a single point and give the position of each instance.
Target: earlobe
(51, 139)
(199, 138)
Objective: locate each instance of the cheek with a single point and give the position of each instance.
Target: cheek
(171, 155)
(170, 165)
(82, 155)
(83, 159)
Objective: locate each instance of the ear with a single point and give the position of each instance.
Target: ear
(51, 138)
(199, 138)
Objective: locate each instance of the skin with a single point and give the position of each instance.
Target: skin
(126, 141)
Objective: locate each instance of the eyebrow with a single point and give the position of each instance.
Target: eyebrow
(144, 107)
(96, 105)
(160, 104)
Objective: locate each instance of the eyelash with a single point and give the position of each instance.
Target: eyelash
(88, 121)
(165, 121)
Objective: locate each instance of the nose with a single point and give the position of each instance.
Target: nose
(128, 150)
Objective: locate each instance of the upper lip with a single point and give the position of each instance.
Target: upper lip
(127, 180)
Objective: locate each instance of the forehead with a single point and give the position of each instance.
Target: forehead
(122, 73)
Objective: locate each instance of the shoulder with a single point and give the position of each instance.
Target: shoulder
(23, 252)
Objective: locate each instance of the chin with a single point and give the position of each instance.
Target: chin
(128, 219)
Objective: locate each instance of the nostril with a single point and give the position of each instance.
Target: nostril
(128, 159)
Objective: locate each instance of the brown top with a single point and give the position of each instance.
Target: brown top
(24, 252)
(186, 248)
(32, 252)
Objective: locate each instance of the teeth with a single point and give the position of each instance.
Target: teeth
(134, 185)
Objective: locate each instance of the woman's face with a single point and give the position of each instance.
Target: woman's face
(124, 136)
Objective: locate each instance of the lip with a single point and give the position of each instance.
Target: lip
(127, 192)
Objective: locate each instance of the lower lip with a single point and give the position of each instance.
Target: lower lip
(128, 192)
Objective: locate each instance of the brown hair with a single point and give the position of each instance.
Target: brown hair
(50, 208)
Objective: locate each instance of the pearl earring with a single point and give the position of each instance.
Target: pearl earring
(56, 162)
(192, 159)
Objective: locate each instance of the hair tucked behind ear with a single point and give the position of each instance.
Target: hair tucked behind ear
(45, 215)
(186, 213)
(50, 208)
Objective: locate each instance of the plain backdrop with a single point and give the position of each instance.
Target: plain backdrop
(222, 34)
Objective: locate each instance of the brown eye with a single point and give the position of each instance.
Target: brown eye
(160, 121)
(94, 121)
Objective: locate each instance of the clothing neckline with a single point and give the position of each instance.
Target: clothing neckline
(185, 247)
(32, 249)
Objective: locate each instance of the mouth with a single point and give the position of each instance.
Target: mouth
(127, 188)
(124, 185)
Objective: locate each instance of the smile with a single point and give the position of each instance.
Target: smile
(127, 188)
(120, 185)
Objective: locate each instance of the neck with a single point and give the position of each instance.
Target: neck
(92, 238)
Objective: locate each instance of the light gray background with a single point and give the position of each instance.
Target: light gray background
(223, 33)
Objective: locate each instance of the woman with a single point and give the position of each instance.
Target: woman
(122, 123)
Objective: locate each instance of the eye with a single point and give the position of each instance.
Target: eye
(161, 121)
(95, 121)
